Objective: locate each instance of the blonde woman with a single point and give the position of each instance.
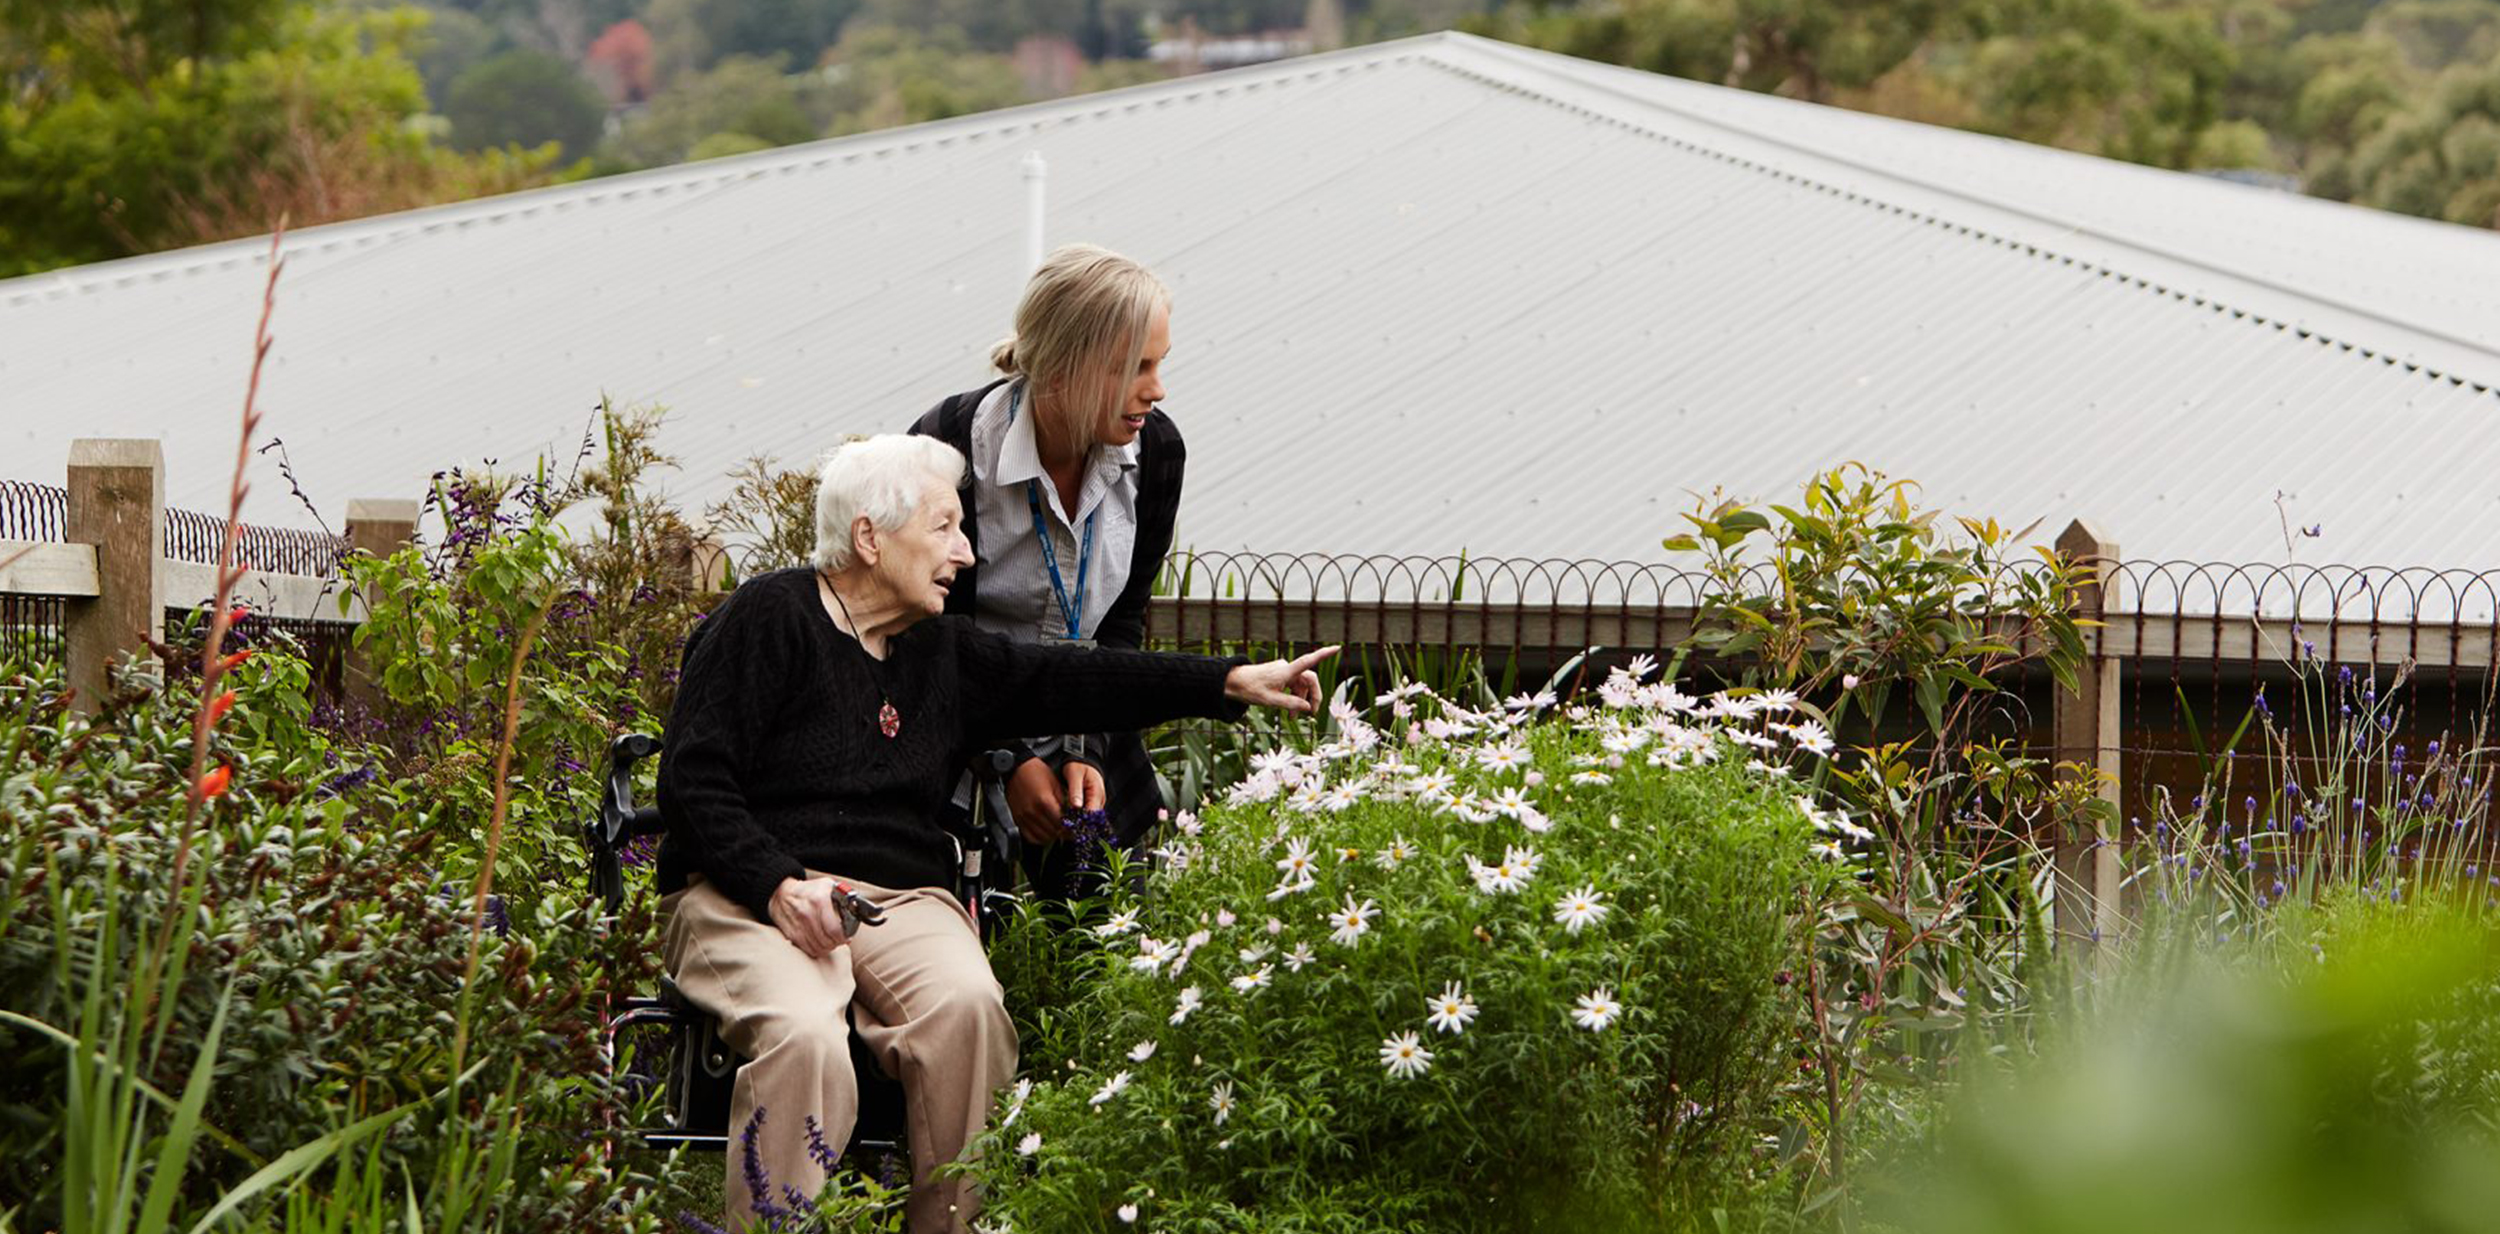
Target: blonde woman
(1074, 483)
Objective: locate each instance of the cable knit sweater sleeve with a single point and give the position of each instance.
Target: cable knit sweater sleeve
(735, 679)
(1014, 689)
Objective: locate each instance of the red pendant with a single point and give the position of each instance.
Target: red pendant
(889, 721)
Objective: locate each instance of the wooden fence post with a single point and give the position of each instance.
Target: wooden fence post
(117, 504)
(2085, 734)
(379, 527)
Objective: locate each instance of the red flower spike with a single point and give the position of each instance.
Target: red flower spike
(235, 615)
(230, 663)
(216, 782)
(219, 706)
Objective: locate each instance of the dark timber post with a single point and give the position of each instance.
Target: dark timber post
(2085, 735)
(117, 504)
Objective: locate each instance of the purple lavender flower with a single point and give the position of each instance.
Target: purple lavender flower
(825, 1158)
(1090, 831)
(638, 853)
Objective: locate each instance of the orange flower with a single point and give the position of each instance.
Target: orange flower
(215, 782)
(238, 613)
(219, 706)
(228, 664)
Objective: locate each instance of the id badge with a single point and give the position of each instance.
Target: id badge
(1062, 640)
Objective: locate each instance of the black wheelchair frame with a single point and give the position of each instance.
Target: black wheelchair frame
(701, 1069)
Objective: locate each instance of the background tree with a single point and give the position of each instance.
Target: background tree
(131, 128)
(525, 98)
(742, 103)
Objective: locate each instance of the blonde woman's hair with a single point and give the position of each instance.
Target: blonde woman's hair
(1084, 317)
(882, 477)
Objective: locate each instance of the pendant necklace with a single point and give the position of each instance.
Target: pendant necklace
(889, 721)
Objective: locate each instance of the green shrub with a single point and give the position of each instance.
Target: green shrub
(1304, 1085)
(2334, 1071)
(327, 913)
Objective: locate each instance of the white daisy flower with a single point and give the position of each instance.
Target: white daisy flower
(1776, 700)
(1598, 1009)
(1256, 980)
(1142, 1051)
(1128, 1214)
(1405, 1056)
(1535, 820)
(1152, 955)
(1305, 798)
(1502, 758)
(1299, 956)
(1499, 879)
(1725, 706)
(1030, 1144)
(1395, 854)
(1252, 955)
(1434, 784)
(1828, 850)
(1352, 921)
(1297, 862)
(1221, 1102)
(1580, 909)
(1641, 666)
(1291, 886)
(1524, 858)
(1111, 1088)
(1510, 801)
(1591, 777)
(1625, 741)
(1474, 809)
(1186, 1003)
(1015, 1104)
(1121, 923)
(1451, 1012)
(1187, 822)
(1538, 701)
(1275, 927)
(1345, 794)
(1811, 737)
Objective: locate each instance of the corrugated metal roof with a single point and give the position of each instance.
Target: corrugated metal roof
(1432, 295)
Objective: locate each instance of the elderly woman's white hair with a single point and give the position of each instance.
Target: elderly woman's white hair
(882, 477)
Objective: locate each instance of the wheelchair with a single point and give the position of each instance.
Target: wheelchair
(698, 1068)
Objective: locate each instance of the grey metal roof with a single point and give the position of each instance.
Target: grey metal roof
(1431, 295)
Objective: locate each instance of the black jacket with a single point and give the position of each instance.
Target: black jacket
(1128, 776)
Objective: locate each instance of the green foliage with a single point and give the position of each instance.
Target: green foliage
(1857, 599)
(132, 128)
(524, 98)
(741, 96)
(325, 953)
(2334, 1073)
(612, 608)
(2384, 104)
(885, 76)
(1265, 1103)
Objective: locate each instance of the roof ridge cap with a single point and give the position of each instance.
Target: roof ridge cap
(1527, 57)
(713, 173)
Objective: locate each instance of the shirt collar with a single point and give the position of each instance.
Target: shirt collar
(1011, 452)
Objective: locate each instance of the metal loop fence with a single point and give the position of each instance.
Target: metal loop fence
(33, 511)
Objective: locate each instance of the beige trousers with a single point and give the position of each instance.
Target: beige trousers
(932, 1016)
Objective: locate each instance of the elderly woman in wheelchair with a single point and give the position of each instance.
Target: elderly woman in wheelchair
(821, 718)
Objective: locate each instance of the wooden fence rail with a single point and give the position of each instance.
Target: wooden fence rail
(110, 572)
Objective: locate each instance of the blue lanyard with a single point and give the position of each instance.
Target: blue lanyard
(1072, 611)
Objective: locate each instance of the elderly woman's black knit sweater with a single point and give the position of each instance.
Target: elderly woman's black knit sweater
(775, 764)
